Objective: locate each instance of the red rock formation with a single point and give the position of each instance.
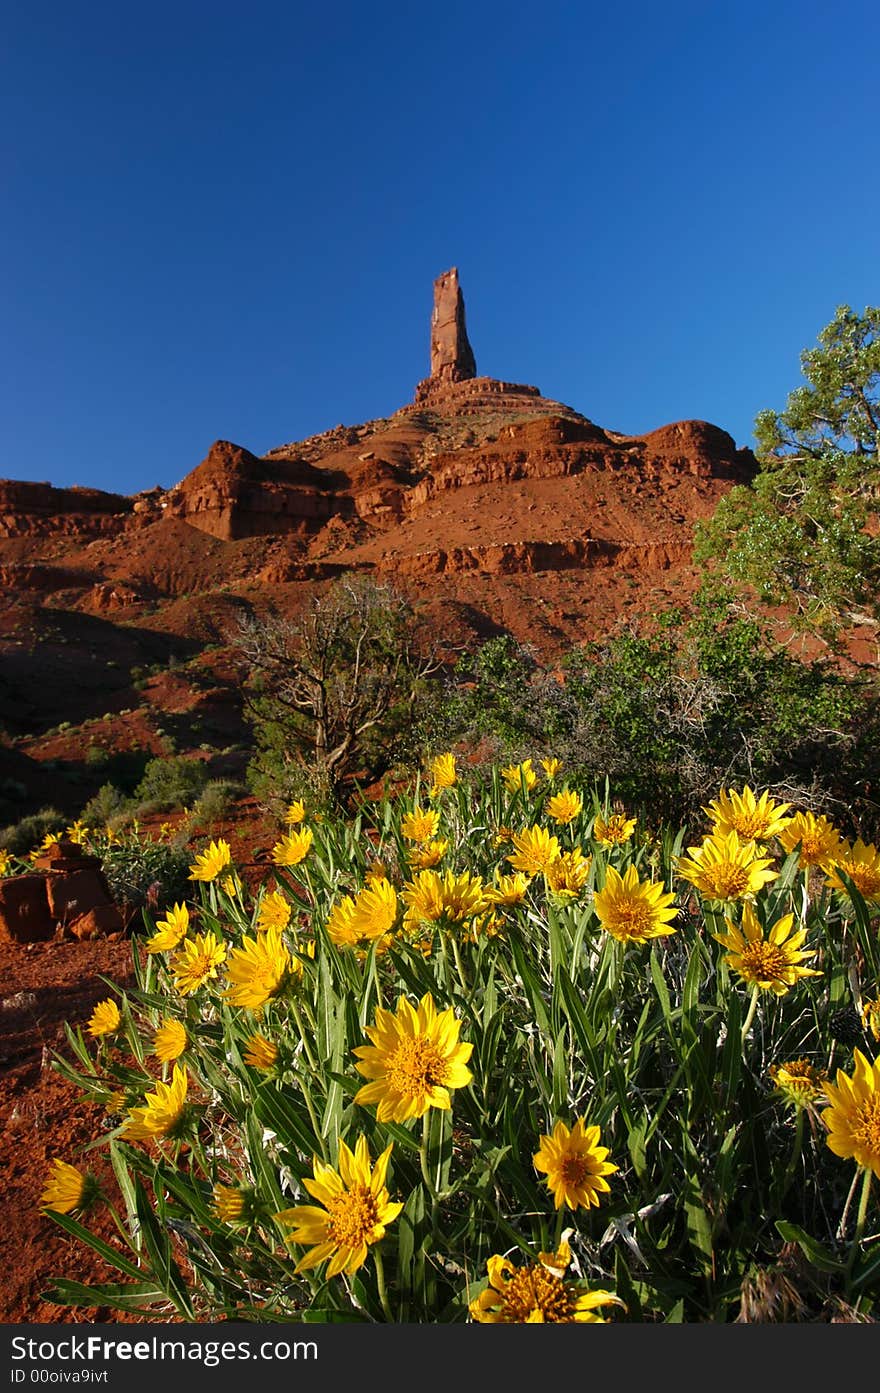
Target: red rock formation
(66, 894)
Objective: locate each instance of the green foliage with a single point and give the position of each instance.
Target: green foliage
(691, 706)
(108, 803)
(659, 1044)
(171, 783)
(329, 693)
(142, 872)
(215, 800)
(24, 836)
(800, 534)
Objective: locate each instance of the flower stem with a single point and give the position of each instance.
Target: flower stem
(423, 1157)
(380, 1285)
(867, 1177)
(753, 1006)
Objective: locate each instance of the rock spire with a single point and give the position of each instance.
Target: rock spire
(452, 358)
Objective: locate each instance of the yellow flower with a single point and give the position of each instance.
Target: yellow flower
(799, 1082)
(536, 1294)
(535, 852)
(414, 1060)
(443, 773)
(574, 1164)
(508, 889)
(231, 1205)
(257, 970)
(196, 961)
(77, 832)
(515, 775)
(367, 918)
(5, 862)
(230, 885)
(853, 1119)
(292, 848)
(752, 819)
(428, 854)
(420, 825)
(295, 813)
(67, 1189)
(564, 807)
(724, 868)
(862, 864)
(259, 1052)
(209, 864)
(169, 1041)
(163, 1111)
(170, 930)
(634, 910)
(871, 1017)
(820, 842)
(613, 830)
(568, 875)
(551, 768)
(105, 1019)
(274, 912)
(356, 1211)
(773, 963)
(432, 896)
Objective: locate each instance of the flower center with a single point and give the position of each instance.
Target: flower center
(415, 1067)
(535, 1294)
(631, 919)
(575, 1170)
(750, 826)
(729, 880)
(865, 878)
(764, 962)
(353, 1217)
(865, 1126)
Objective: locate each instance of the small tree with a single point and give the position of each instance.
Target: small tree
(803, 534)
(333, 690)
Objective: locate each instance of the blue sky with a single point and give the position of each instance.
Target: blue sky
(224, 220)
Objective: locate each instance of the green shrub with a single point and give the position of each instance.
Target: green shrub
(108, 803)
(141, 872)
(215, 800)
(170, 783)
(27, 834)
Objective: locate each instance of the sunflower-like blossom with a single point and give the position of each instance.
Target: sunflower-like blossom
(105, 1019)
(724, 868)
(170, 1041)
(773, 963)
(535, 851)
(420, 825)
(196, 961)
(209, 864)
(357, 921)
(537, 1294)
(414, 1060)
(258, 970)
(433, 896)
(295, 813)
(575, 1164)
(508, 889)
(428, 854)
(819, 841)
(68, 1190)
(798, 1081)
(293, 847)
(564, 807)
(163, 1111)
(355, 1211)
(633, 910)
(568, 874)
(552, 768)
(274, 912)
(443, 773)
(613, 830)
(170, 930)
(853, 1118)
(515, 775)
(752, 819)
(260, 1053)
(861, 863)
